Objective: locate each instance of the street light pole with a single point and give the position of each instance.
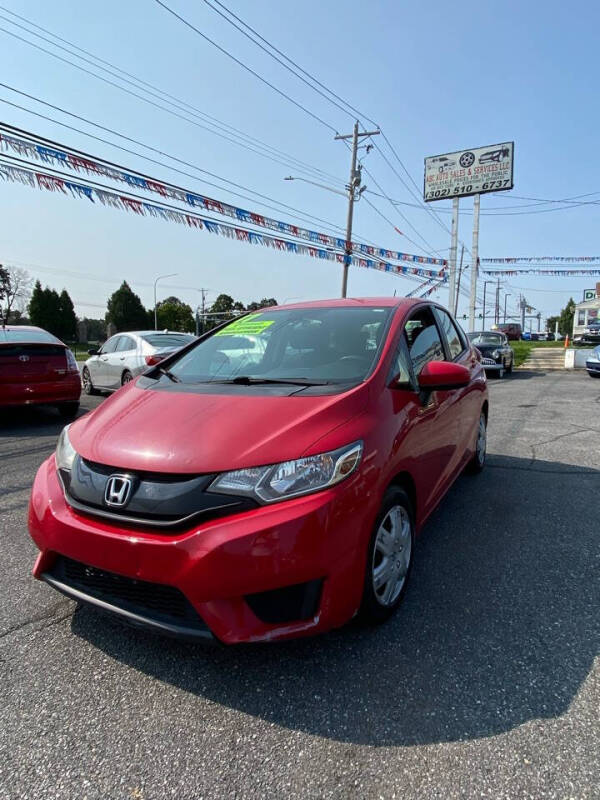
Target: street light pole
(505, 298)
(353, 185)
(485, 283)
(160, 277)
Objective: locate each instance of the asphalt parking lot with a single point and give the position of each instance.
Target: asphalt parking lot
(485, 685)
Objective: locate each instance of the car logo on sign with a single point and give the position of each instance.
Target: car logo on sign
(23, 358)
(118, 491)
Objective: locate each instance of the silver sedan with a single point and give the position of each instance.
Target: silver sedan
(126, 355)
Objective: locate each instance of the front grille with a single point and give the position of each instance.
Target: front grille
(488, 362)
(151, 600)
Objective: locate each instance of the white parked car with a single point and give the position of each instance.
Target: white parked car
(126, 355)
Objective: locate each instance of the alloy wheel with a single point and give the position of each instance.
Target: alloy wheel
(481, 446)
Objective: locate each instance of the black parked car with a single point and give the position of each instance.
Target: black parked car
(497, 355)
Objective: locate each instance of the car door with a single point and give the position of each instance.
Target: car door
(426, 422)
(466, 400)
(98, 364)
(114, 364)
(124, 358)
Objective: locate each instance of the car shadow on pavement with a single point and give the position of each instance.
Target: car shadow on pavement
(499, 627)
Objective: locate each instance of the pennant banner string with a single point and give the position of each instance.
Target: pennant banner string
(542, 260)
(65, 159)
(556, 273)
(113, 200)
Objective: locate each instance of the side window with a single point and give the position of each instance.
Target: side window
(111, 345)
(423, 339)
(125, 343)
(455, 343)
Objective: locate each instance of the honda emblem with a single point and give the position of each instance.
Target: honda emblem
(118, 490)
(23, 358)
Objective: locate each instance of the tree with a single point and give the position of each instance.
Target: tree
(96, 329)
(565, 320)
(551, 323)
(222, 304)
(44, 309)
(68, 320)
(125, 310)
(266, 301)
(15, 290)
(174, 315)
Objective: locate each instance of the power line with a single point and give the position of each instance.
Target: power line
(271, 152)
(294, 64)
(245, 66)
(150, 148)
(198, 112)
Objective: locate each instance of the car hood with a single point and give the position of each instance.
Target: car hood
(184, 432)
(488, 348)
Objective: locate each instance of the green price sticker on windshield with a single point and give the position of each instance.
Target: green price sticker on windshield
(247, 326)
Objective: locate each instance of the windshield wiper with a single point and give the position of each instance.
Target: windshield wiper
(248, 380)
(169, 374)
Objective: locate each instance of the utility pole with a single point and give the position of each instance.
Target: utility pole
(523, 306)
(203, 292)
(497, 309)
(462, 253)
(453, 252)
(506, 296)
(354, 190)
(474, 261)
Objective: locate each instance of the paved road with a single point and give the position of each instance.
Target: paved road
(485, 684)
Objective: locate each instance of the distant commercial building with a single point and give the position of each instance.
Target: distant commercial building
(587, 311)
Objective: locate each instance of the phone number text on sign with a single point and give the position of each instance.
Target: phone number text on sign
(467, 172)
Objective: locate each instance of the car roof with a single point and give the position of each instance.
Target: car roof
(353, 302)
(151, 333)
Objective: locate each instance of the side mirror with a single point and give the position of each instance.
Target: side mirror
(93, 351)
(439, 375)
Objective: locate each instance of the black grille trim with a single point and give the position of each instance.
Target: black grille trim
(288, 604)
(154, 605)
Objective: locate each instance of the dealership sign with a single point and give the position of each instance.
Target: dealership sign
(589, 294)
(466, 172)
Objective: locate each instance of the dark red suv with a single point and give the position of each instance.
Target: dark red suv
(266, 481)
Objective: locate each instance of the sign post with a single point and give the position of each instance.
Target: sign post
(462, 174)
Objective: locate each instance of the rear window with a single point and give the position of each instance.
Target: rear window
(168, 339)
(24, 335)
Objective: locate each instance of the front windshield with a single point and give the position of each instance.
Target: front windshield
(485, 338)
(321, 345)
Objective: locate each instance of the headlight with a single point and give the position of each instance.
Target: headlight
(496, 354)
(64, 450)
(291, 478)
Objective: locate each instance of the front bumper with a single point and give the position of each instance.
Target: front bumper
(592, 366)
(228, 569)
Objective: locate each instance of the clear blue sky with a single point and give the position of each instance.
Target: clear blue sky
(436, 76)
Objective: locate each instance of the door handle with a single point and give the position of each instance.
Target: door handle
(104, 358)
(122, 358)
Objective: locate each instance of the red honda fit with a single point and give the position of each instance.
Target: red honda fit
(268, 480)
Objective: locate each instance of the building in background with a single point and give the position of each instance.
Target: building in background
(586, 312)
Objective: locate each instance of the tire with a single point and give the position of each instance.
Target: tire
(126, 377)
(509, 369)
(393, 531)
(68, 410)
(477, 463)
(500, 373)
(86, 380)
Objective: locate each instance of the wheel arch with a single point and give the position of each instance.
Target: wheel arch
(404, 480)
